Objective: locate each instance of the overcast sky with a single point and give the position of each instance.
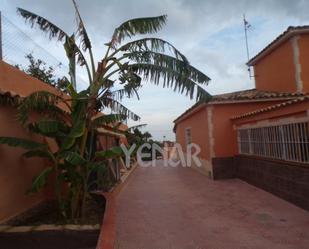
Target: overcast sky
(210, 33)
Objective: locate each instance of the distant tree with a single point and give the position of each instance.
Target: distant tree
(146, 136)
(135, 136)
(39, 69)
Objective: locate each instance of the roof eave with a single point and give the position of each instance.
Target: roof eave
(191, 112)
(224, 102)
(270, 108)
(274, 45)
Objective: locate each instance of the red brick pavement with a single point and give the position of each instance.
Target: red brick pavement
(178, 208)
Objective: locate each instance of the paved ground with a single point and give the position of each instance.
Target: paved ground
(178, 208)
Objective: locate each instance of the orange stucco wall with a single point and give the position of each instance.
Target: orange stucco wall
(16, 173)
(276, 71)
(199, 132)
(224, 140)
(223, 127)
(303, 44)
(14, 80)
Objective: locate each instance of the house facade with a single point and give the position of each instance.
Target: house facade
(259, 135)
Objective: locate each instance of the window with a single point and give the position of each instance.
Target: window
(243, 141)
(188, 136)
(288, 142)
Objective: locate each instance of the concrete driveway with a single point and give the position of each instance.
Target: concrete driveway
(178, 208)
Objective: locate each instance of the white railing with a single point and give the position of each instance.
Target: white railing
(286, 142)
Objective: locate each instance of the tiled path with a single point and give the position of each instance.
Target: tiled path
(177, 208)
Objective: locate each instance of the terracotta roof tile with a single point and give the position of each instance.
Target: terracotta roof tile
(272, 107)
(245, 95)
(253, 94)
(9, 98)
(9, 93)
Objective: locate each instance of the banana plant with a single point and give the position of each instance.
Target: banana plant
(70, 166)
(72, 119)
(124, 66)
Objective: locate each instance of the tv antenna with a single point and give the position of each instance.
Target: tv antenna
(247, 26)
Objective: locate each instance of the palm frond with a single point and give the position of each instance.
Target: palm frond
(73, 158)
(67, 143)
(131, 83)
(171, 79)
(169, 62)
(22, 143)
(118, 94)
(144, 25)
(77, 130)
(136, 127)
(42, 102)
(127, 91)
(51, 29)
(117, 107)
(49, 128)
(153, 45)
(38, 153)
(107, 119)
(41, 180)
(110, 153)
(81, 30)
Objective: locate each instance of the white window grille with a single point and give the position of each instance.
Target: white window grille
(188, 136)
(286, 142)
